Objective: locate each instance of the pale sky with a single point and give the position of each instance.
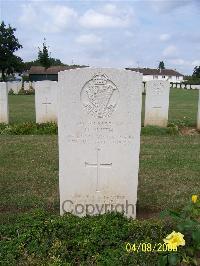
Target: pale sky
(109, 33)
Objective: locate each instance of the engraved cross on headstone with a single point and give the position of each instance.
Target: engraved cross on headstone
(98, 165)
(46, 103)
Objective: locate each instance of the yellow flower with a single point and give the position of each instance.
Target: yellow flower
(194, 198)
(175, 239)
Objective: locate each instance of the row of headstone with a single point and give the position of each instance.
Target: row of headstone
(185, 86)
(195, 87)
(156, 104)
(16, 86)
(99, 123)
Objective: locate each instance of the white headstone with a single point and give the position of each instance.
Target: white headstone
(15, 86)
(32, 85)
(182, 86)
(157, 103)
(99, 140)
(195, 87)
(188, 87)
(4, 117)
(198, 87)
(26, 86)
(46, 101)
(198, 114)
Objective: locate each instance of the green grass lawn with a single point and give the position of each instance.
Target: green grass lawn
(21, 108)
(169, 173)
(183, 107)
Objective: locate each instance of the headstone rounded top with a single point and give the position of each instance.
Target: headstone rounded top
(99, 69)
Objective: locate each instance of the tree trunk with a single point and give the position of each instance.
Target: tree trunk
(3, 75)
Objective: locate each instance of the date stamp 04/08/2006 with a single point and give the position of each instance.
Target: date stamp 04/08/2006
(149, 247)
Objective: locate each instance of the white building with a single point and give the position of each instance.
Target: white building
(159, 74)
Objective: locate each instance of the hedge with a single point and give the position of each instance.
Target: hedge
(41, 238)
(30, 128)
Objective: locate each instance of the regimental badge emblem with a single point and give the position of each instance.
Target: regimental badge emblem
(99, 96)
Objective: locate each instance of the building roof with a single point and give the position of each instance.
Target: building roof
(157, 72)
(34, 70)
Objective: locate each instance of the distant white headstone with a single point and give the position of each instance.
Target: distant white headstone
(198, 114)
(32, 84)
(182, 86)
(46, 101)
(26, 86)
(188, 87)
(198, 87)
(99, 140)
(157, 103)
(195, 87)
(15, 86)
(4, 117)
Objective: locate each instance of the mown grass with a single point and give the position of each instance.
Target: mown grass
(183, 106)
(21, 108)
(29, 172)
(169, 173)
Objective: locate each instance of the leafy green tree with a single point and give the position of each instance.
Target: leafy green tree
(192, 80)
(43, 56)
(196, 72)
(9, 44)
(56, 62)
(53, 61)
(161, 65)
